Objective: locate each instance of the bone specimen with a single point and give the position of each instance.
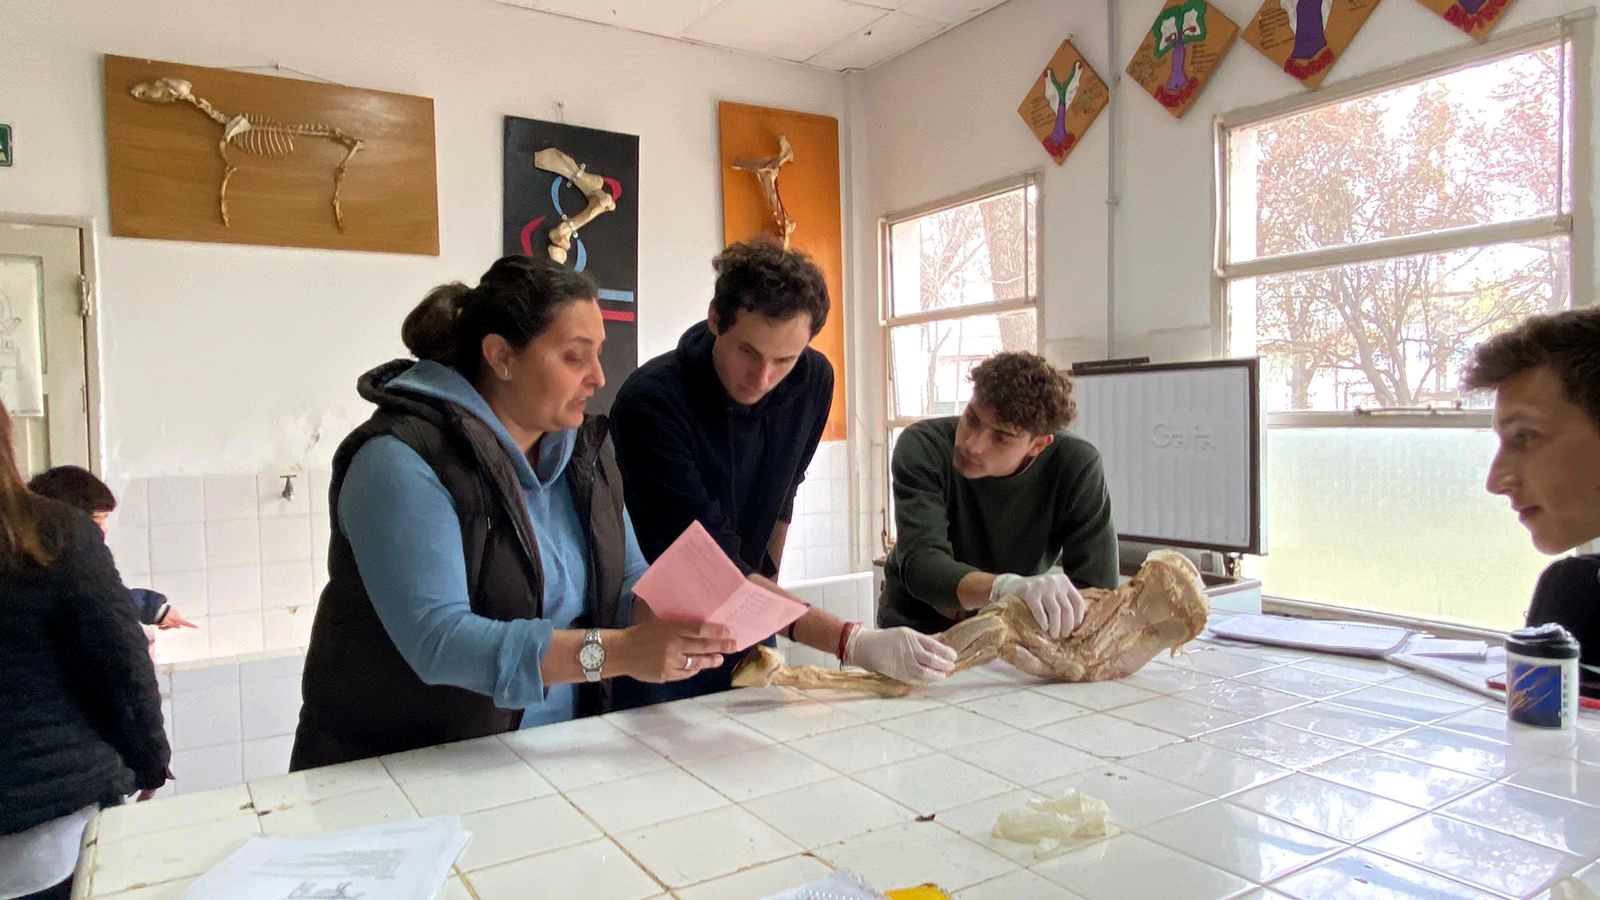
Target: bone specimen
(253, 134)
(593, 187)
(1162, 608)
(766, 171)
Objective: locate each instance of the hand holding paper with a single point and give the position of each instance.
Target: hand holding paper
(694, 581)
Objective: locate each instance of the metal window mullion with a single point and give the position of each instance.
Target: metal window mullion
(1409, 245)
(1580, 161)
(976, 195)
(1508, 43)
(1350, 419)
(961, 312)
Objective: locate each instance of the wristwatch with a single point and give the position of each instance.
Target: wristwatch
(591, 656)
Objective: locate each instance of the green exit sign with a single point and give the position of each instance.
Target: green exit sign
(5, 144)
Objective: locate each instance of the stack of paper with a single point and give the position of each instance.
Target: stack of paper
(694, 581)
(397, 861)
(1350, 638)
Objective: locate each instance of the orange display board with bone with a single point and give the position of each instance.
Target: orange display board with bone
(1160, 609)
(780, 181)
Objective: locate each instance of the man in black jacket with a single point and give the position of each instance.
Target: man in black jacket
(721, 430)
(1546, 378)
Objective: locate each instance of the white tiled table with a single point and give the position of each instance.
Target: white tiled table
(1228, 771)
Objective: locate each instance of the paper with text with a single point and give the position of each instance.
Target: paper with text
(694, 581)
(396, 860)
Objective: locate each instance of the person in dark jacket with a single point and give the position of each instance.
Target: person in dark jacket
(79, 487)
(481, 560)
(79, 706)
(721, 431)
(1546, 377)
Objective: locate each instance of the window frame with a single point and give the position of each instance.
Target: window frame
(1575, 223)
(887, 321)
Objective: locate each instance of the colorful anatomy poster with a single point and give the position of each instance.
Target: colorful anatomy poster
(1180, 51)
(571, 194)
(1064, 101)
(1475, 17)
(1304, 37)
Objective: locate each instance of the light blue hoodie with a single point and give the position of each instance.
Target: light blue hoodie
(403, 528)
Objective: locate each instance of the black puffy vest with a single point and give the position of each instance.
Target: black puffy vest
(361, 698)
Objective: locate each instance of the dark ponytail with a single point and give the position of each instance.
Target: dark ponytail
(518, 298)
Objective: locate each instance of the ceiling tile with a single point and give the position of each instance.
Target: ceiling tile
(666, 17)
(787, 29)
(884, 39)
(951, 12)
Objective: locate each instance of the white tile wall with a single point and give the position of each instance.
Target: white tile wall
(230, 721)
(234, 719)
(246, 565)
(819, 543)
(234, 556)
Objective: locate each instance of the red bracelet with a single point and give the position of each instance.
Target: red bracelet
(844, 638)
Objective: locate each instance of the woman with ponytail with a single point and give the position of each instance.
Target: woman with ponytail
(480, 557)
(79, 706)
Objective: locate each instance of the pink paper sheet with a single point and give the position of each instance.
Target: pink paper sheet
(694, 581)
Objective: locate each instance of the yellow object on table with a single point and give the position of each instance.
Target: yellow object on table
(920, 892)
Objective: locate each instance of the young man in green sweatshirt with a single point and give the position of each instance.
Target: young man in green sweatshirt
(987, 501)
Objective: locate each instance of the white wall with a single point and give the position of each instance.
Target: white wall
(942, 119)
(231, 359)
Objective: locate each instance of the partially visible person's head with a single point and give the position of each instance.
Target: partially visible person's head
(1546, 377)
(21, 544)
(1019, 402)
(528, 337)
(76, 486)
(768, 304)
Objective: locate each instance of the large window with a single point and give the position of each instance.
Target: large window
(1367, 245)
(962, 284)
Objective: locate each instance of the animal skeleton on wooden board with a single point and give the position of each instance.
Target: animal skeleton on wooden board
(253, 134)
(766, 171)
(593, 187)
(1162, 608)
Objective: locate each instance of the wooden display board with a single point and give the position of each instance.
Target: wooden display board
(1475, 17)
(810, 189)
(1305, 37)
(1064, 101)
(166, 171)
(1180, 52)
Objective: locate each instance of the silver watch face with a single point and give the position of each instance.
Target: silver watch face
(592, 656)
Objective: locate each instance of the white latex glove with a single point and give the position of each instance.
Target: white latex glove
(1056, 605)
(900, 653)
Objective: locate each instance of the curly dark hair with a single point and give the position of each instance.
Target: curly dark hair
(1567, 342)
(764, 278)
(1025, 391)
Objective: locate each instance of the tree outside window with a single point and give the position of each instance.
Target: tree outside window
(1371, 243)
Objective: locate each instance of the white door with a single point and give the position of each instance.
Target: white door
(43, 373)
